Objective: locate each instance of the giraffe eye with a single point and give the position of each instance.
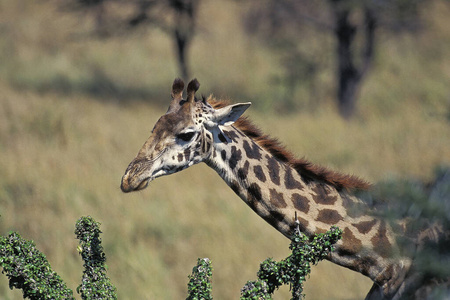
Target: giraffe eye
(186, 136)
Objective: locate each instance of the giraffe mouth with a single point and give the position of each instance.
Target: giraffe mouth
(126, 187)
(143, 184)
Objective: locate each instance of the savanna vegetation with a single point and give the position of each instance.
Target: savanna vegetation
(75, 109)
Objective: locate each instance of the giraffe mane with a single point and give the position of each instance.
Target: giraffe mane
(305, 168)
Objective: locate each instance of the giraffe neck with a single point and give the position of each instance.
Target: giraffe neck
(276, 191)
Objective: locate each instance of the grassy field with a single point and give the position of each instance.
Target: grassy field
(75, 110)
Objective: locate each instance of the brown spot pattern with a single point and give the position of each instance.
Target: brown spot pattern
(234, 185)
(236, 156)
(254, 194)
(380, 241)
(300, 203)
(259, 173)
(252, 151)
(242, 172)
(274, 169)
(365, 226)
(350, 244)
(222, 138)
(329, 216)
(321, 196)
(290, 182)
(311, 171)
(277, 198)
(232, 135)
(223, 154)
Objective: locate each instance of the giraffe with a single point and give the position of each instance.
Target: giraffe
(272, 182)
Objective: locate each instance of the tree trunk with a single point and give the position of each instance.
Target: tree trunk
(349, 75)
(182, 43)
(184, 31)
(181, 29)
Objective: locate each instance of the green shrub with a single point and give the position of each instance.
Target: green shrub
(199, 286)
(28, 269)
(94, 284)
(294, 269)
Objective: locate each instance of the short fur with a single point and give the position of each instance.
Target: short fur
(177, 88)
(306, 169)
(191, 89)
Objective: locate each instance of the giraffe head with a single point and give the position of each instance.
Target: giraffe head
(182, 137)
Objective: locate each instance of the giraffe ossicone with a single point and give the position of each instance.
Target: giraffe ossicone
(285, 191)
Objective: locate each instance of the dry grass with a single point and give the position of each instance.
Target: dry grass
(65, 145)
(152, 238)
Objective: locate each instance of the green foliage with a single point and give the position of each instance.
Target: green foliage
(294, 269)
(199, 286)
(95, 284)
(28, 269)
(271, 275)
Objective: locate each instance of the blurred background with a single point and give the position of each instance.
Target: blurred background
(361, 87)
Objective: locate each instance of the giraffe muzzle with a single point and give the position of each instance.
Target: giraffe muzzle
(127, 186)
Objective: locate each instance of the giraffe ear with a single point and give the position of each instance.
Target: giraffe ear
(227, 115)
